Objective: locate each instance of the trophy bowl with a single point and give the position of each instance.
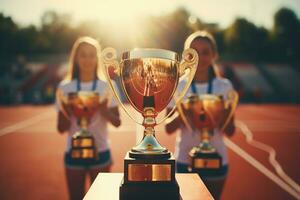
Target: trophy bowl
(149, 79)
(206, 110)
(209, 113)
(83, 105)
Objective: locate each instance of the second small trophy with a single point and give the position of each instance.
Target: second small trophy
(149, 78)
(210, 113)
(83, 106)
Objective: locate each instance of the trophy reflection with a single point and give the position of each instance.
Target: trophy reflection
(149, 78)
(209, 113)
(82, 105)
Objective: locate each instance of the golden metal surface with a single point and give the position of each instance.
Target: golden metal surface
(149, 172)
(207, 163)
(82, 142)
(83, 104)
(150, 53)
(149, 78)
(83, 153)
(87, 100)
(209, 112)
(215, 110)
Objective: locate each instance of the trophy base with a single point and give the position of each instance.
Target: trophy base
(149, 191)
(83, 149)
(83, 153)
(159, 155)
(76, 160)
(149, 178)
(82, 141)
(205, 163)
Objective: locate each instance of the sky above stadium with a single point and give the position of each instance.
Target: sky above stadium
(223, 12)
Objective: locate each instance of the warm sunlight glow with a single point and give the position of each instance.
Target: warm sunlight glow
(120, 11)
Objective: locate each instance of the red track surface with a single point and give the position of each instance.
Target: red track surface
(32, 167)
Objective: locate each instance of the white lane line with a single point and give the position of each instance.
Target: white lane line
(279, 115)
(25, 123)
(273, 121)
(274, 126)
(272, 154)
(260, 167)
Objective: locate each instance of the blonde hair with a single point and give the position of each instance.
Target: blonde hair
(204, 35)
(73, 68)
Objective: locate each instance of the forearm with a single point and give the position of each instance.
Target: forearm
(112, 115)
(63, 123)
(173, 124)
(230, 128)
(113, 119)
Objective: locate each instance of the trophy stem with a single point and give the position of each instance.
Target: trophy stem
(149, 117)
(83, 123)
(205, 140)
(205, 135)
(149, 146)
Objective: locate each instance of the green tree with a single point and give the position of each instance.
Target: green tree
(8, 30)
(57, 35)
(285, 36)
(246, 41)
(168, 31)
(26, 40)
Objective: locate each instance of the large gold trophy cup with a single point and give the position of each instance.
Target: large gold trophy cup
(82, 105)
(149, 78)
(209, 113)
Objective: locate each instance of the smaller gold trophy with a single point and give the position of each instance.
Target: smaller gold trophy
(209, 113)
(83, 105)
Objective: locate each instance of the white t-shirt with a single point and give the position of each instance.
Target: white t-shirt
(186, 139)
(98, 124)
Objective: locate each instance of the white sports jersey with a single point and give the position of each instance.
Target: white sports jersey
(98, 124)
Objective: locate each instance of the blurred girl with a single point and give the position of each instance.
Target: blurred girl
(82, 76)
(206, 80)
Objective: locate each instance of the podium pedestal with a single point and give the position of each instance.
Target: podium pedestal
(106, 186)
(149, 179)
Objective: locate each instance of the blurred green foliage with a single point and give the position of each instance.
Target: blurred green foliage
(242, 40)
(50, 42)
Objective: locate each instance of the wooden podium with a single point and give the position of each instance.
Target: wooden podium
(106, 186)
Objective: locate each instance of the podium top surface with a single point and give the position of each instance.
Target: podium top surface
(106, 186)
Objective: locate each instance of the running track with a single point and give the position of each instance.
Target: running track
(31, 151)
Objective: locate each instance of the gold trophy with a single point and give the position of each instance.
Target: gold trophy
(149, 79)
(83, 105)
(209, 112)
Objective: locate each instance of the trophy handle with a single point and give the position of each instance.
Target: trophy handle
(183, 117)
(109, 57)
(187, 67)
(231, 103)
(61, 99)
(106, 95)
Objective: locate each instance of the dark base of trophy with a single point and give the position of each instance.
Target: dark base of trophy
(83, 149)
(152, 177)
(205, 163)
